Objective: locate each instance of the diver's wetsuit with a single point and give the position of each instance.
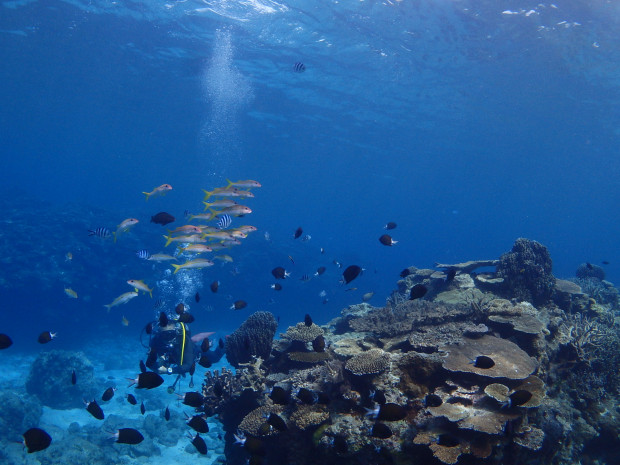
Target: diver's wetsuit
(173, 354)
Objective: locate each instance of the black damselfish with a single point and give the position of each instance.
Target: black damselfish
(308, 320)
(198, 423)
(142, 408)
(45, 337)
(36, 439)
(200, 444)
(279, 272)
(129, 436)
(73, 377)
(318, 344)
(484, 362)
(205, 361)
(193, 399)
(131, 399)
(280, 396)
(306, 396)
(298, 231)
(350, 273)
(381, 431)
(391, 412)
(417, 292)
(94, 409)
(162, 218)
(167, 414)
(147, 380)
(5, 341)
(277, 422)
(108, 394)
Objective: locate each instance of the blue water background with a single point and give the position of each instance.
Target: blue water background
(467, 126)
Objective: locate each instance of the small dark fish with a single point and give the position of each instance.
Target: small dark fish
(129, 436)
(340, 445)
(381, 431)
(279, 396)
(35, 439)
(299, 67)
(197, 297)
(298, 233)
(131, 399)
(589, 266)
(265, 429)
(193, 399)
(279, 273)
(192, 369)
(605, 262)
(319, 343)
(254, 446)
(276, 287)
(142, 367)
(306, 396)
(220, 343)
(450, 274)
(484, 362)
(73, 378)
(147, 380)
(405, 273)
(379, 397)
(99, 232)
(45, 337)
(198, 424)
(148, 329)
(418, 291)
(179, 309)
(5, 341)
(143, 254)
(204, 346)
(162, 218)
(350, 273)
(163, 319)
(277, 422)
(238, 305)
(214, 286)
(432, 400)
(167, 414)
(391, 412)
(323, 398)
(186, 318)
(200, 444)
(386, 239)
(390, 225)
(308, 320)
(218, 389)
(94, 409)
(108, 394)
(519, 397)
(319, 271)
(205, 361)
(159, 303)
(305, 278)
(223, 222)
(142, 408)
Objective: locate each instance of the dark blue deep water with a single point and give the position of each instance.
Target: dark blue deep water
(468, 123)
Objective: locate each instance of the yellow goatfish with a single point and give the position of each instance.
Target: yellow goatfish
(193, 239)
(125, 226)
(71, 293)
(161, 257)
(125, 321)
(138, 284)
(161, 190)
(226, 192)
(224, 258)
(122, 299)
(195, 264)
(248, 184)
(188, 228)
(196, 248)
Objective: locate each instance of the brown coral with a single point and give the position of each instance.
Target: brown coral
(308, 357)
(302, 333)
(306, 416)
(523, 317)
(253, 421)
(509, 360)
(370, 362)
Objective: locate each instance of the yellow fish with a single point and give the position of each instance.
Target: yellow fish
(196, 263)
(139, 284)
(161, 190)
(122, 299)
(196, 248)
(125, 226)
(68, 256)
(224, 258)
(248, 184)
(193, 239)
(125, 321)
(71, 293)
(161, 257)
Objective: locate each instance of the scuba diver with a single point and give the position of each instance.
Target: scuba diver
(173, 350)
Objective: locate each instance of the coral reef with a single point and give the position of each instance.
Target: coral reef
(526, 271)
(17, 414)
(50, 379)
(587, 270)
(461, 376)
(252, 339)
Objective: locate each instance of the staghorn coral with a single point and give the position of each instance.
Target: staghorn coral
(526, 271)
(252, 338)
(583, 335)
(370, 362)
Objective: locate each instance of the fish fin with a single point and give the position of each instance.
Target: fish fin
(148, 194)
(168, 240)
(214, 213)
(114, 234)
(151, 293)
(207, 194)
(230, 183)
(207, 205)
(176, 267)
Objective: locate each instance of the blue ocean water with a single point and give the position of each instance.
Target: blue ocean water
(468, 123)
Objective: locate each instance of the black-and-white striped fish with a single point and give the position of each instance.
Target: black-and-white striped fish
(305, 278)
(299, 67)
(100, 232)
(143, 254)
(159, 303)
(224, 222)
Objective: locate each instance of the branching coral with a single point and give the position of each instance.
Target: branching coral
(583, 335)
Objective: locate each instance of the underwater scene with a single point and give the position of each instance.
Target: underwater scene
(353, 232)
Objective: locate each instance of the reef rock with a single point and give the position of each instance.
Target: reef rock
(17, 413)
(252, 339)
(50, 379)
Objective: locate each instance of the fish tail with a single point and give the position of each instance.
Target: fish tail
(114, 234)
(176, 268)
(214, 213)
(168, 240)
(151, 293)
(230, 183)
(108, 307)
(207, 205)
(148, 194)
(132, 381)
(207, 194)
